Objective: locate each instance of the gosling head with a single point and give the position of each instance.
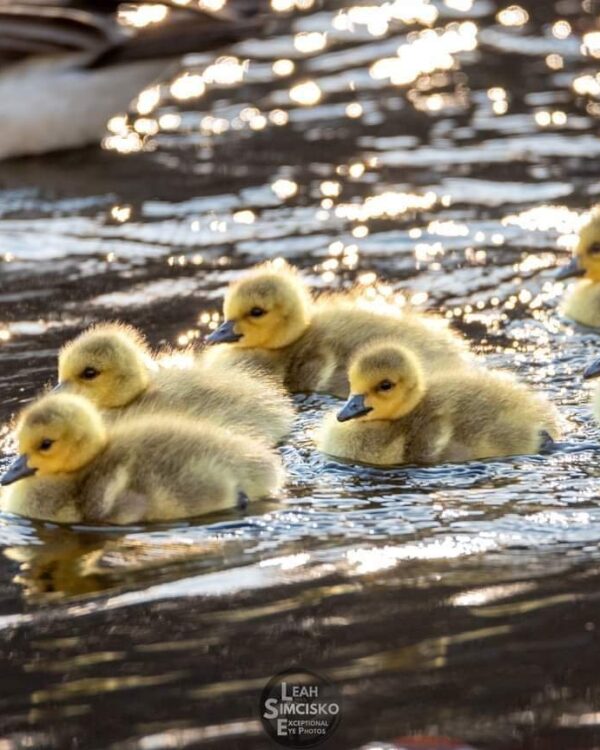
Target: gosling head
(109, 364)
(386, 382)
(267, 309)
(586, 256)
(59, 434)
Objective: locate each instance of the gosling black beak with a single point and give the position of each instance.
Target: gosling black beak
(571, 269)
(17, 470)
(59, 388)
(593, 371)
(224, 334)
(354, 407)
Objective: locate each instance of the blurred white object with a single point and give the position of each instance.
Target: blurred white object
(49, 106)
(65, 71)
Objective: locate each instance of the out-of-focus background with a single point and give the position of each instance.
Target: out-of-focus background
(436, 154)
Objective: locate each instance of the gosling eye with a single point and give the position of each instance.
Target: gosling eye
(257, 312)
(385, 385)
(89, 373)
(46, 444)
(594, 248)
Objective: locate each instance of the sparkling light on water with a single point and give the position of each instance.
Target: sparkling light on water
(142, 15)
(187, 86)
(284, 189)
(514, 15)
(430, 51)
(306, 93)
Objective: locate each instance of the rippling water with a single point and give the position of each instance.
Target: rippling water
(436, 154)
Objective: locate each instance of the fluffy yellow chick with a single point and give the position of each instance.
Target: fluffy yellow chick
(397, 415)
(112, 365)
(74, 468)
(582, 302)
(309, 343)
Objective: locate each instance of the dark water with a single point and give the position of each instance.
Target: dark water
(457, 600)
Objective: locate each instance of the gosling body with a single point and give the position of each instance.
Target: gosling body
(144, 469)
(318, 360)
(308, 343)
(456, 417)
(582, 302)
(113, 367)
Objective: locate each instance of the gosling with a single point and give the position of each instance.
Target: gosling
(111, 364)
(271, 311)
(582, 302)
(398, 416)
(74, 468)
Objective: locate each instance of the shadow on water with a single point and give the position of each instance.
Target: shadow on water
(445, 170)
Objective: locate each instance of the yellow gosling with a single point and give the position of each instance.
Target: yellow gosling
(111, 364)
(397, 415)
(309, 343)
(582, 302)
(72, 467)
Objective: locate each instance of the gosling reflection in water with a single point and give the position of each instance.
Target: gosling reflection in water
(63, 565)
(72, 562)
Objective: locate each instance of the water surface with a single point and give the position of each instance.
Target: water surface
(439, 155)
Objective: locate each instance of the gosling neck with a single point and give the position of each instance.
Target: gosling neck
(89, 449)
(293, 331)
(411, 399)
(138, 384)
